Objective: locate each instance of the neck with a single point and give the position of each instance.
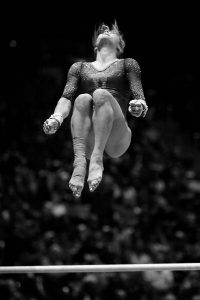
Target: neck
(106, 55)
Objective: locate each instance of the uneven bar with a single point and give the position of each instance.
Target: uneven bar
(100, 268)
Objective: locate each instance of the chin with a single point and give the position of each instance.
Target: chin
(104, 40)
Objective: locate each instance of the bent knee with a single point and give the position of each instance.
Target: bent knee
(101, 96)
(83, 102)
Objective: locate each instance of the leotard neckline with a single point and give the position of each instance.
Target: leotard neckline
(91, 64)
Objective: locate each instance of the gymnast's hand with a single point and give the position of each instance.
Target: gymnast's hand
(51, 125)
(137, 108)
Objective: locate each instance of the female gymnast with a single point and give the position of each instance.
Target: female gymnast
(103, 91)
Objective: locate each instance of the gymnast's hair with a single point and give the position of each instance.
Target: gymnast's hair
(113, 28)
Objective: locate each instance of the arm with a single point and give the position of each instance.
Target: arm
(63, 106)
(138, 106)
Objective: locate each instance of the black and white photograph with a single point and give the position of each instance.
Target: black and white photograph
(100, 151)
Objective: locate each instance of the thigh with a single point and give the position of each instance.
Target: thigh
(120, 136)
(119, 139)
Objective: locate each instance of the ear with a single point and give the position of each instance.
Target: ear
(119, 50)
(95, 50)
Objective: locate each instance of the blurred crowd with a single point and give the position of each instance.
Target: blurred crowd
(146, 209)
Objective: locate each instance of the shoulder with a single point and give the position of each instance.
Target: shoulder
(75, 68)
(131, 64)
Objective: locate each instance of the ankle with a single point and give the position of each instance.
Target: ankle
(97, 155)
(79, 162)
(96, 163)
(79, 150)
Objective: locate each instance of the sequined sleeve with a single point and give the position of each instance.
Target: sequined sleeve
(134, 78)
(72, 83)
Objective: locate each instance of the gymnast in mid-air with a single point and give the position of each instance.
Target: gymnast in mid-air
(101, 92)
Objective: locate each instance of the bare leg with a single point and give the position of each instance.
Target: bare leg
(80, 126)
(102, 126)
(120, 136)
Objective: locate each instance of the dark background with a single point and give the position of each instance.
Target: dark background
(163, 38)
(147, 207)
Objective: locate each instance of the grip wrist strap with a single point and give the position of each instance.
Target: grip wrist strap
(58, 117)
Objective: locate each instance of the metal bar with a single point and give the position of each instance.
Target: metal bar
(100, 268)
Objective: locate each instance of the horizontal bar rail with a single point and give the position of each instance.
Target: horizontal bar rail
(100, 268)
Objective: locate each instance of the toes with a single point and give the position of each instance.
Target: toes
(94, 184)
(77, 194)
(72, 187)
(75, 190)
(93, 188)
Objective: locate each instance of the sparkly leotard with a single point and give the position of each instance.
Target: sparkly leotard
(122, 79)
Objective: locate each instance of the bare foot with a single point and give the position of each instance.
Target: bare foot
(77, 180)
(95, 172)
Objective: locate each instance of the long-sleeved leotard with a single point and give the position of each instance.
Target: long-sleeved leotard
(122, 79)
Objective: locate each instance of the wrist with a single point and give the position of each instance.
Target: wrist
(58, 117)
